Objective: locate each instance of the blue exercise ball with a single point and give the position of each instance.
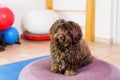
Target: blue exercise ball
(11, 35)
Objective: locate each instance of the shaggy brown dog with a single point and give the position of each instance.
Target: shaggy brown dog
(68, 50)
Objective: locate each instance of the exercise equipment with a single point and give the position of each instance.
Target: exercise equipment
(36, 37)
(11, 35)
(98, 70)
(13, 69)
(8, 34)
(39, 21)
(6, 18)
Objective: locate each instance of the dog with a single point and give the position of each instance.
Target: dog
(69, 51)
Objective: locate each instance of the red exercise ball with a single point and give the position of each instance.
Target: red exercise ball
(6, 18)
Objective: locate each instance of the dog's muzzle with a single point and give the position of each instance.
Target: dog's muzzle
(61, 39)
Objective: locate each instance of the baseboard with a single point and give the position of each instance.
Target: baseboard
(104, 40)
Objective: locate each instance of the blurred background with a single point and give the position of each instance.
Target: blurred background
(106, 15)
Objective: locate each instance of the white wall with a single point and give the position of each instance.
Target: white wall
(103, 19)
(116, 21)
(69, 4)
(21, 7)
(118, 24)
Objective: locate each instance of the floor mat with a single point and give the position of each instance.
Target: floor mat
(11, 71)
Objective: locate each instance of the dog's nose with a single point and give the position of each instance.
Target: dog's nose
(61, 37)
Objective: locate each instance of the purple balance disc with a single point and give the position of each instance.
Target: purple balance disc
(98, 70)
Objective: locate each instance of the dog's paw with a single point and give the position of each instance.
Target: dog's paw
(54, 69)
(70, 73)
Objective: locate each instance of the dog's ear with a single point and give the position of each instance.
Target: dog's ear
(76, 31)
(55, 25)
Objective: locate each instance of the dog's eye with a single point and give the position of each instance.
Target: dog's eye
(55, 31)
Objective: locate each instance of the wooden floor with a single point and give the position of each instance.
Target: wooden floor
(31, 49)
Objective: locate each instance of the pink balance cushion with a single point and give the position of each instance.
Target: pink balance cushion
(98, 70)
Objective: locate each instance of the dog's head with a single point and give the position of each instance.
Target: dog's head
(65, 33)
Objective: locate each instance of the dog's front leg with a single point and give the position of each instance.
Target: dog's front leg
(54, 68)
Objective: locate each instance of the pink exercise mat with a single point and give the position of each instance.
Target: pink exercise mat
(98, 70)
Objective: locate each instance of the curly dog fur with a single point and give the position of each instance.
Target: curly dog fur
(68, 50)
